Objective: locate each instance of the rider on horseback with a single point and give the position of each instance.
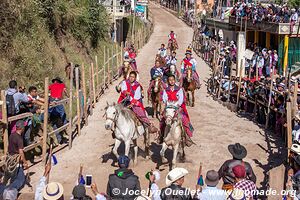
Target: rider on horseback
(171, 59)
(172, 39)
(187, 62)
(131, 96)
(132, 56)
(162, 51)
(175, 93)
(155, 72)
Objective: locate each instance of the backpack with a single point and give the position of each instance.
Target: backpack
(10, 105)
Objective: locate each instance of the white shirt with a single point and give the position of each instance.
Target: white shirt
(179, 96)
(137, 93)
(171, 60)
(155, 192)
(162, 53)
(212, 193)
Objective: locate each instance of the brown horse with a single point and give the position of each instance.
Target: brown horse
(172, 45)
(126, 70)
(155, 97)
(161, 60)
(189, 86)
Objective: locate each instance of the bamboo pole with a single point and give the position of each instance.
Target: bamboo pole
(104, 63)
(97, 74)
(5, 121)
(117, 57)
(85, 116)
(91, 91)
(295, 106)
(270, 99)
(78, 101)
(219, 91)
(239, 86)
(45, 125)
(108, 68)
(93, 85)
(289, 126)
(70, 106)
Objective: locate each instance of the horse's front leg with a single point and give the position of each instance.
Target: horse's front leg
(115, 149)
(135, 148)
(162, 152)
(127, 147)
(175, 152)
(193, 98)
(147, 143)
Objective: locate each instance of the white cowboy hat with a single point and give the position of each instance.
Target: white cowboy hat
(53, 191)
(295, 148)
(175, 174)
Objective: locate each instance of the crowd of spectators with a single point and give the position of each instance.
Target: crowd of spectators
(270, 13)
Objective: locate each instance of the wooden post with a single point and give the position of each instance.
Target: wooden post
(46, 112)
(104, 63)
(91, 90)
(295, 108)
(219, 91)
(117, 57)
(70, 106)
(270, 99)
(93, 85)
(111, 65)
(256, 71)
(78, 101)
(239, 86)
(97, 74)
(108, 66)
(84, 95)
(5, 121)
(289, 126)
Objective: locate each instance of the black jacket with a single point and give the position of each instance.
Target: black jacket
(122, 181)
(225, 172)
(175, 192)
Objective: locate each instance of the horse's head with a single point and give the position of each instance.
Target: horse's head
(172, 69)
(157, 82)
(126, 66)
(171, 111)
(189, 74)
(111, 115)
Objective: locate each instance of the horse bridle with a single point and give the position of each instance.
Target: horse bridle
(176, 112)
(112, 119)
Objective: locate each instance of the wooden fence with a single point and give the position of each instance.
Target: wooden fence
(95, 79)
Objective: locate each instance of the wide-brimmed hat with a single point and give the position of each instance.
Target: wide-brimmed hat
(295, 148)
(188, 52)
(57, 79)
(53, 191)
(212, 178)
(237, 150)
(175, 174)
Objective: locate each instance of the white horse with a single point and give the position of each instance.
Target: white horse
(173, 132)
(123, 122)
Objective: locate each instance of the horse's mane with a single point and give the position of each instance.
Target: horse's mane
(126, 112)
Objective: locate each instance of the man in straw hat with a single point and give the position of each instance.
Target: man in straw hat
(211, 192)
(53, 191)
(187, 62)
(174, 182)
(238, 153)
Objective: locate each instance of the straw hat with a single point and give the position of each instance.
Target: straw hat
(142, 197)
(236, 194)
(175, 174)
(53, 191)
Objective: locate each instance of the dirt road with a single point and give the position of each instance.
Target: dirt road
(215, 126)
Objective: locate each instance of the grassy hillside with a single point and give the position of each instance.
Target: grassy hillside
(38, 37)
